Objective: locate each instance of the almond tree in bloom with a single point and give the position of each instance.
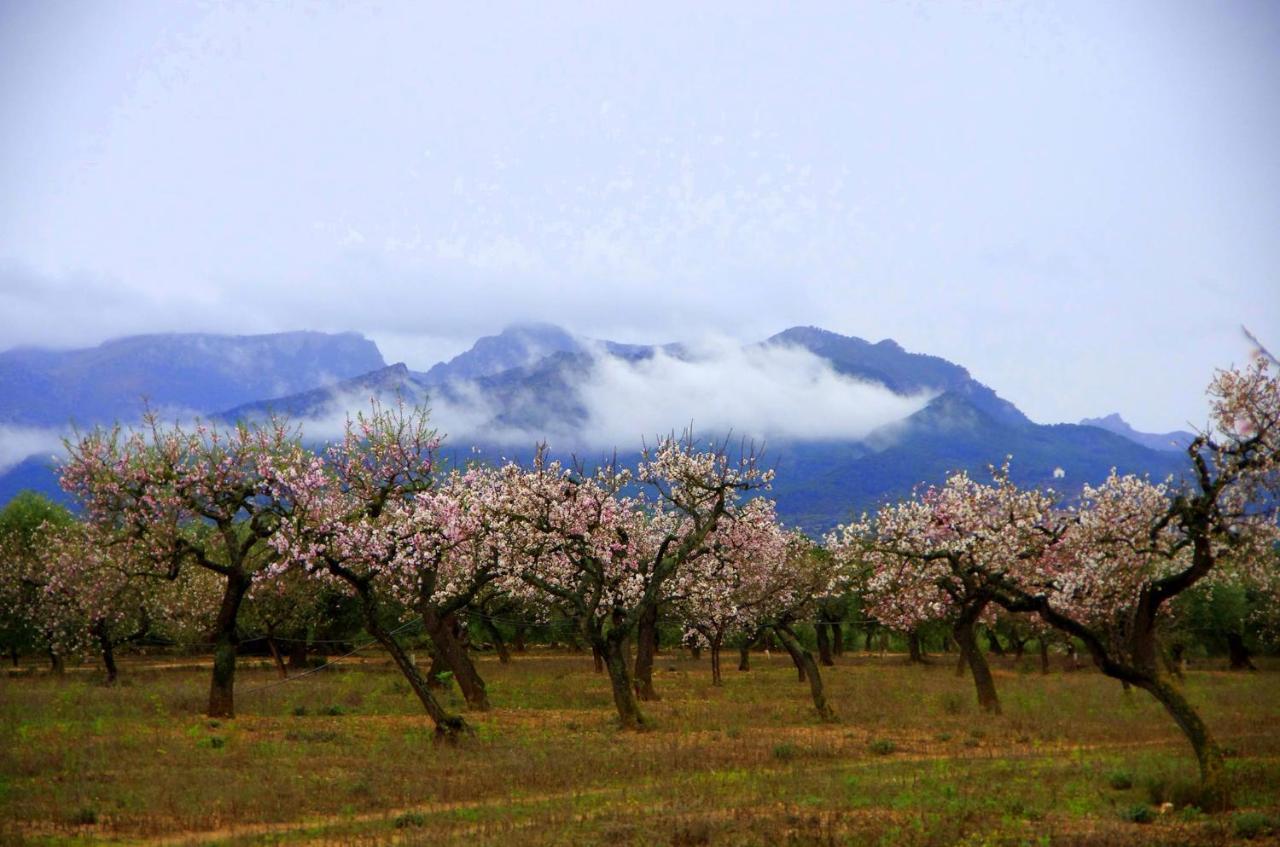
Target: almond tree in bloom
(1133, 546)
(933, 558)
(576, 545)
(605, 560)
(738, 584)
(692, 491)
(448, 553)
(810, 574)
(368, 520)
(94, 597)
(285, 609)
(172, 498)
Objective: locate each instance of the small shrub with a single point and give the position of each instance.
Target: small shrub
(299, 711)
(84, 816)
(1178, 791)
(410, 820)
(882, 747)
(953, 704)
(972, 742)
(944, 736)
(214, 742)
(1140, 813)
(1120, 780)
(1254, 824)
(786, 751)
(733, 732)
(335, 710)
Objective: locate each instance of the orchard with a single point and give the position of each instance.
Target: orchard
(234, 543)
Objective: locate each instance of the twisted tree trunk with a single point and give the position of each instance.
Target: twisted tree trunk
(448, 726)
(107, 649)
(646, 648)
(824, 644)
(442, 629)
(808, 669)
(613, 649)
(222, 702)
(504, 656)
(965, 636)
(913, 647)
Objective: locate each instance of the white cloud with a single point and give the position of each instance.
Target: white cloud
(769, 392)
(718, 386)
(20, 442)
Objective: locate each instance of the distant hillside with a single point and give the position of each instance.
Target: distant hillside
(887, 363)
(821, 485)
(190, 372)
(1176, 441)
(336, 398)
(534, 381)
(820, 482)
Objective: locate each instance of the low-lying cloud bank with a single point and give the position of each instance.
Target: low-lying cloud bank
(762, 392)
(770, 393)
(22, 442)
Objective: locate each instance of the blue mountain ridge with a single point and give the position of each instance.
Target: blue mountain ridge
(527, 378)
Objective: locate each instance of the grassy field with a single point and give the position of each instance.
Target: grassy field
(345, 757)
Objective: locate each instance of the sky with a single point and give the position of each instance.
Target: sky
(1078, 201)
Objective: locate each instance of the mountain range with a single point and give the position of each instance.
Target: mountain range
(849, 424)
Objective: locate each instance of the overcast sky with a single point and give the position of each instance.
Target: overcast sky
(1078, 201)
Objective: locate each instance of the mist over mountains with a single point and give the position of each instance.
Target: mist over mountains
(848, 423)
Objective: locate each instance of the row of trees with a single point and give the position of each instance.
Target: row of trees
(186, 525)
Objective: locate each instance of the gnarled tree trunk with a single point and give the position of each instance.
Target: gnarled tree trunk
(442, 629)
(613, 649)
(824, 644)
(808, 669)
(222, 703)
(448, 726)
(495, 635)
(1215, 792)
(914, 651)
(965, 636)
(646, 648)
(107, 649)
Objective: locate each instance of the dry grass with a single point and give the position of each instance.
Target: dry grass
(345, 757)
